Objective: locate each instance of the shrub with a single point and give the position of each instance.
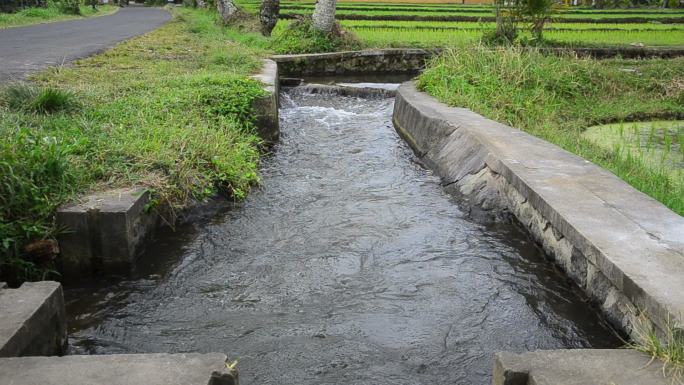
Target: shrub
(70, 7)
(301, 37)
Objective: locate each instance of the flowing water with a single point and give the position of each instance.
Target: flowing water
(349, 264)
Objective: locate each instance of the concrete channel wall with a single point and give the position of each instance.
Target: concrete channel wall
(623, 248)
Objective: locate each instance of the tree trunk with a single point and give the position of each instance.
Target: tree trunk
(226, 10)
(268, 15)
(665, 3)
(324, 15)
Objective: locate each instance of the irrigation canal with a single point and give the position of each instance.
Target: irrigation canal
(350, 264)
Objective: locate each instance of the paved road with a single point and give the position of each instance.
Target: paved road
(27, 49)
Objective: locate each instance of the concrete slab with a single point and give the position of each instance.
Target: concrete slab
(119, 369)
(578, 367)
(103, 231)
(32, 320)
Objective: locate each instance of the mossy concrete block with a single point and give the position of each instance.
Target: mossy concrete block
(119, 369)
(625, 249)
(266, 107)
(32, 321)
(578, 367)
(103, 231)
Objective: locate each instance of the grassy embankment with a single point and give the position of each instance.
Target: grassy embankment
(557, 98)
(44, 15)
(170, 110)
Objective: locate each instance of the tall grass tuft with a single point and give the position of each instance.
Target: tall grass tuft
(24, 97)
(668, 349)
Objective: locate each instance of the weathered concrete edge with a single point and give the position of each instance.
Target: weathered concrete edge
(120, 369)
(577, 366)
(266, 107)
(34, 320)
(642, 261)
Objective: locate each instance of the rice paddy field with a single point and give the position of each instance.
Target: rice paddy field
(419, 24)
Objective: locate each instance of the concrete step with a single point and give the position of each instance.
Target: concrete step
(32, 320)
(578, 367)
(119, 369)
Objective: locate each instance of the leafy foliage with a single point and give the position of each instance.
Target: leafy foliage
(301, 37)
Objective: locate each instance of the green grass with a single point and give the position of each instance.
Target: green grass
(557, 98)
(170, 111)
(43, 15)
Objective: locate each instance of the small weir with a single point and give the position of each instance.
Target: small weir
(349, 264)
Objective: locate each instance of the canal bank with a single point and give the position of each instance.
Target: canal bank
(349, 264)
(376, 270)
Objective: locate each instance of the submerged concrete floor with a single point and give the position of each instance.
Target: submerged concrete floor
(350, 264)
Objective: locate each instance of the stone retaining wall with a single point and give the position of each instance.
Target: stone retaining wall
(623, 248)
(354, 62)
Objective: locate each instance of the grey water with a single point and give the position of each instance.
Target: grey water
(348, 264)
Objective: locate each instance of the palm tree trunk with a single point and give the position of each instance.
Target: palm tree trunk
(324, 15)
(268, 15)
(226, 10)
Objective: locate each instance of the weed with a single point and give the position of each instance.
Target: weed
(25, 97)
(667, 348)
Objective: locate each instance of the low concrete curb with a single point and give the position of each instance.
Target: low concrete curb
(266, 107)
(32, 321)
(578, 367)
(354, 62)
(120, 369)
(623, 248)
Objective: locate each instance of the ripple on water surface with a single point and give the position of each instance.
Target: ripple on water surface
(349, 264)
